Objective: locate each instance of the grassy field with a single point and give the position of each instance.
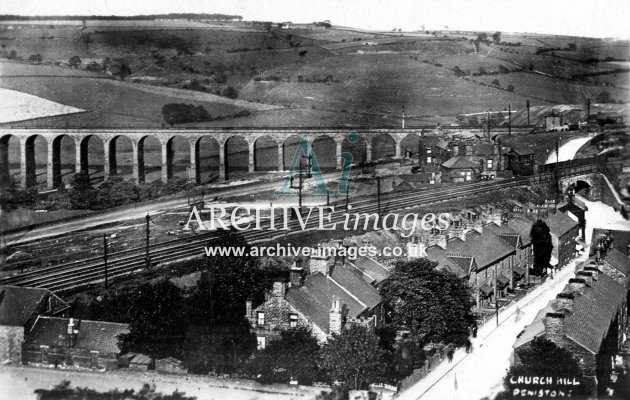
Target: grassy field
(323, 77)
(552, 89)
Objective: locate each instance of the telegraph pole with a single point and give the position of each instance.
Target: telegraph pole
(378, 194)
(148, 232)
(496, 296)
(509, 119)
(527, 104)
(105, 257)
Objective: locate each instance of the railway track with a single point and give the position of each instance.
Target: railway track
(79, 274)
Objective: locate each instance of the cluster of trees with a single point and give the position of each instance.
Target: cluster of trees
(207, 330)
(180, 113)
(113, 192)
(542, 245)
(543, 358)
(148, 392)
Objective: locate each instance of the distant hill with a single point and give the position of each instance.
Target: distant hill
(214, 17)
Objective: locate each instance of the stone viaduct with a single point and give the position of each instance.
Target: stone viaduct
(52, 137)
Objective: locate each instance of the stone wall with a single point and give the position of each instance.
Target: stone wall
(11, 338)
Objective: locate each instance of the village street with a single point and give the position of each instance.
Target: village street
(480, 374)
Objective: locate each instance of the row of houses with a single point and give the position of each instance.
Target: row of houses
(471, 159)
(492, 252)
(589, 318)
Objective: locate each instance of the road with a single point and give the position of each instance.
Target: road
(567, 151)
(480, 373)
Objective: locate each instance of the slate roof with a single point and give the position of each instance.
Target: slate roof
(484, 149)
(351, 280)
(523, 228)
(619, 261)
(372, 271)
(592, 314)
(560, 223)
(521, 151)
(421, 177)
(595, 310)
(93, 335)
(19, 304)
(462, 162)
(431, 169)
(478, 250)
(315, 296)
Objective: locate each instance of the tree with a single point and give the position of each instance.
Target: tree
(218, 347)
(353, 357)
(148, 392)
(35, 58)
(543, 358)
(74, 61)
(235, 279)
(158, 325)
(82, 195)
(510, 88)
(434, 304)
(12, 54)
(294, 355)
(496, 37)
(496, 83)
(604, 97)
(541, 241)
(118, 67)
(179, 113)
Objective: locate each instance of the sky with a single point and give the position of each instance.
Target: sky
(595, 18)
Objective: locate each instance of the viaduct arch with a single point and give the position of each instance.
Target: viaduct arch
(195, 151)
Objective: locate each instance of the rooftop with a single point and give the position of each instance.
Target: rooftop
(93, 335)
(19, 304)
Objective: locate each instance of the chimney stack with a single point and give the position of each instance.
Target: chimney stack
(586, 276)
(554, 325)
(565, 301)
(334, 322)
(442, 240)
(279, 289)
(248, 309)
(296, 275)
(71, 333)
(577, 285)
(594, 272)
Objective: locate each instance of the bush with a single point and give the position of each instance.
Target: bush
(179, 113)
(510, 88)
(496, 83)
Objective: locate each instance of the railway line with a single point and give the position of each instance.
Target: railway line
(81, 273)
(78, 274)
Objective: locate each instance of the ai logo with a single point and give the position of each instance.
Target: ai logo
(304, 148)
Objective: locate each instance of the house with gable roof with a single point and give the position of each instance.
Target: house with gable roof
(588, 319)
(19, 308)
(326, 296)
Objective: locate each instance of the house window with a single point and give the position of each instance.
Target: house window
(293, 320)
(429, 159)
(260, 340)
(489, 163)
(261, 318)
(44, 354)
(468, 175)
(428, 150)
(93, 359)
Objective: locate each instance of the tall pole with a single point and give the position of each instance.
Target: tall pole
(105, 257)
(378, 194)
(403, 118)
(347, 191)
(557, 169)
(509, 119)
(300, 189)
(496, 295)
(588, 108)
(148, 231)
(527, 104)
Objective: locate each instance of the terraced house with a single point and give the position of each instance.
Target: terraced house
(324, 296)
(588, 318)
